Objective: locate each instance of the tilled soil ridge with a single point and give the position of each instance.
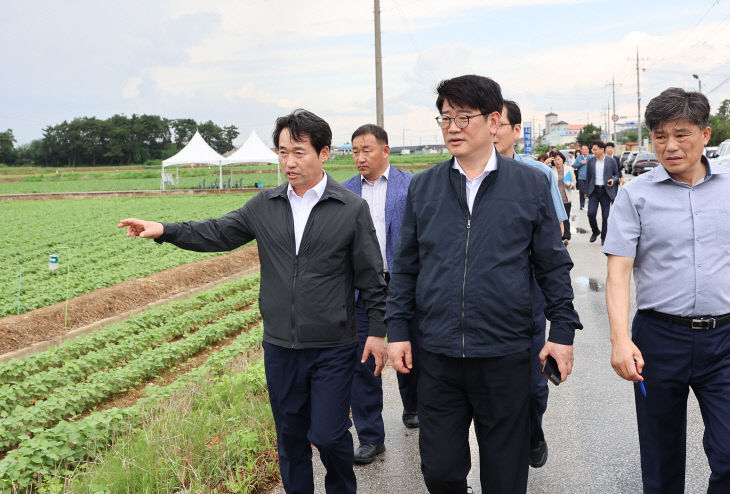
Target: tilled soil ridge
(47, 323)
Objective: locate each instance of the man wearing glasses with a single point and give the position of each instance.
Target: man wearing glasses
(472, 227)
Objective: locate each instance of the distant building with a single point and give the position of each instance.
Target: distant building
(425, 149)
(550, 120)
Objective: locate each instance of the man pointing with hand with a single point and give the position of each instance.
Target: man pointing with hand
(317, 244)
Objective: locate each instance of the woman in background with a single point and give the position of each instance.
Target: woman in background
(565, 177)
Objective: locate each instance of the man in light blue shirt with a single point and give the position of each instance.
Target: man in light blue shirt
(510, 125)
(671, 226)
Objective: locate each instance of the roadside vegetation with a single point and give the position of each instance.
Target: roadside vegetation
(171, 398)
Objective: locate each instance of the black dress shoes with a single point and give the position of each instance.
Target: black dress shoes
(366, 453)
(410, 420)
(594, 236)
(538, 454)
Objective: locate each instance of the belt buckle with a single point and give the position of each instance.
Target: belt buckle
(704, 324)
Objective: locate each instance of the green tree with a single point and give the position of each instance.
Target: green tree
(7, 147)
(720, 124)
(589, 134)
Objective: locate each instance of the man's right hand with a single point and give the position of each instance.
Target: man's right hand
(400, 356)
(141, 228)
(626, 360)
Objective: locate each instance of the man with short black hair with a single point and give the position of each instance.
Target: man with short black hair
(472, 227)
(671, 227)
(384, 188)
(317, 244)
(600, 188)
(610, 148)
(510, 126)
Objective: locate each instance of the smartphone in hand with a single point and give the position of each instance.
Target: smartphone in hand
(551, 371)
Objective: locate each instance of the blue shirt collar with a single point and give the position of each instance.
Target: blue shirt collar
(660, 173)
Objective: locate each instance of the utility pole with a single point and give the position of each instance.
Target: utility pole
(638, 97)
(613, 88)
(378, 68)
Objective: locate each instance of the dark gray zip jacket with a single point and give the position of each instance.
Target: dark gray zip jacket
(306, 300)
(468, 275)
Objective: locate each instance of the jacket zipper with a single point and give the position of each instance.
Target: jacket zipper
(293, 297)
(466, 263)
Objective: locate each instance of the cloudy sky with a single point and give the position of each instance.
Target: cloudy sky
(245, 62)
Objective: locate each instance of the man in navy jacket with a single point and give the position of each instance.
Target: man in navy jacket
(384, 188)
(472, 228)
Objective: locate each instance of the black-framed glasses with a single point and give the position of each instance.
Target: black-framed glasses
(461, 121)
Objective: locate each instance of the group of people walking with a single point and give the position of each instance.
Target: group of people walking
(460, 266)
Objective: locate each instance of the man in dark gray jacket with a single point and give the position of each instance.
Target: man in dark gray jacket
(474, 229)
(317, 244)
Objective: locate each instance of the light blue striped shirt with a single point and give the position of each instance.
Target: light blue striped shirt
(679, 237)
(554, 191)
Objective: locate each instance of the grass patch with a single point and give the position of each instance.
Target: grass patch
(215, 437)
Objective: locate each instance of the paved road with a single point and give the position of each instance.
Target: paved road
(590, 424)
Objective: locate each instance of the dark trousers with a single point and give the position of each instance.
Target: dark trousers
(538, 382)
(678, 358)
(582, 191)
(599, 196)
(566, 223)
(310, 400)
(367, 389)
(494, 392)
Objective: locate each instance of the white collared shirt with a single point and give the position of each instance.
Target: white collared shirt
(302, 206)
(472, 186)
(374, 194)
(599, 171)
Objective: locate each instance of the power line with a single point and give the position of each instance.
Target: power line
(660, 59)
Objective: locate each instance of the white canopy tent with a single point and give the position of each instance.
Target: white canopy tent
(196, 152)
(253, 151)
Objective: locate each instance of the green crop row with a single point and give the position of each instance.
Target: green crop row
(39, 385)
(66, 443)
(76, 398)
(15, 371)
(93, 252)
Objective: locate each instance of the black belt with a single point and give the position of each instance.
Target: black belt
(700, 323)
(598, 186)
(387, 276)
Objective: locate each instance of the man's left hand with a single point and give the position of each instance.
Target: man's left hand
(375, 346)
(563, 355)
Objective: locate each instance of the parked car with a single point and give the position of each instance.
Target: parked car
(722, 155)
(623, 158)
(644, 162)
(711, 151)
(630, 161)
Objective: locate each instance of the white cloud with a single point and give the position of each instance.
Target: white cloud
(131, 88)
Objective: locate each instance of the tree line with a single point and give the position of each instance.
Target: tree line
(118, 140)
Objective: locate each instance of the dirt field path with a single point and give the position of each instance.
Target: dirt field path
(35, 329)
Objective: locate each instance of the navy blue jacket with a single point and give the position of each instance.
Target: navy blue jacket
(395, 203)
(468, 275)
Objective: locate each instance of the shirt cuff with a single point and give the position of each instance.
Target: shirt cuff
(169, 230)
(561, 335)
(398, 330)
(377, 328)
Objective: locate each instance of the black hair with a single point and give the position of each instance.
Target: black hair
(600, 144)
(378, 132)
(472, 91)
(677, 104)
(301, 124)
(610, 144)
(514, 115)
